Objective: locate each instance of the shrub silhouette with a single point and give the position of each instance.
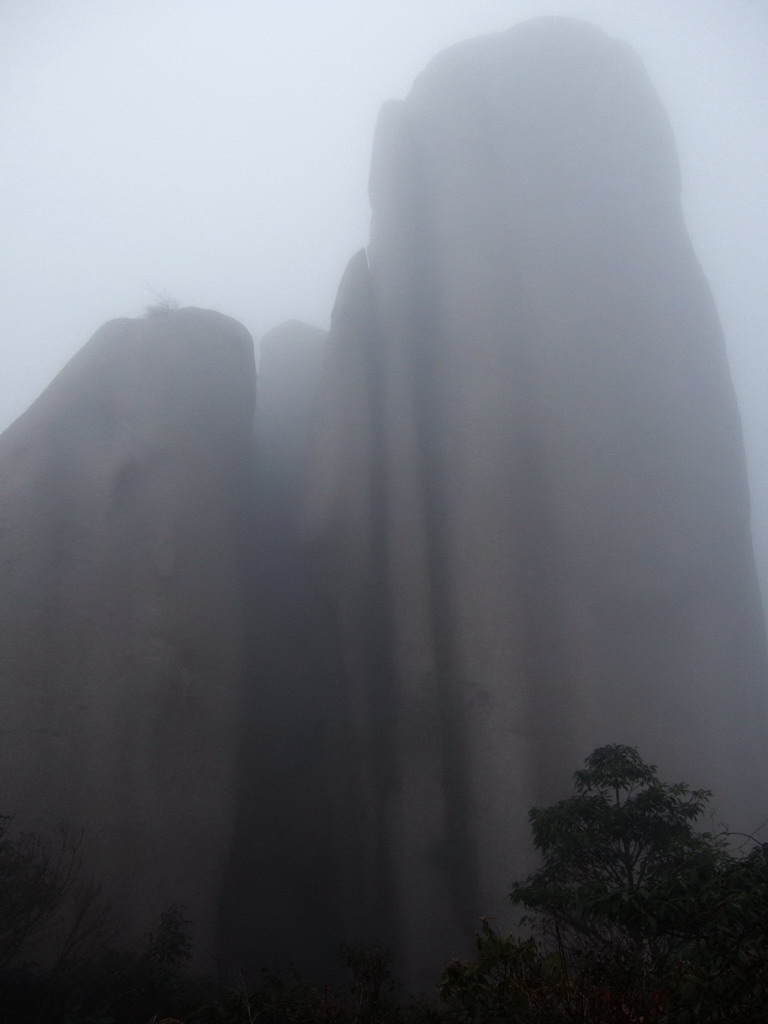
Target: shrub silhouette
(37, 877)
(634, 915)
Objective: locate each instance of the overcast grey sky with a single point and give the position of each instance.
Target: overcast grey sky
(217, 151)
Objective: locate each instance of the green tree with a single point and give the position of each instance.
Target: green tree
(622, 859)
(640, 916)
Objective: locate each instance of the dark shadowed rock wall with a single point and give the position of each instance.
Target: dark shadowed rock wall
(528, 502)
(287, 874)
(125, 522)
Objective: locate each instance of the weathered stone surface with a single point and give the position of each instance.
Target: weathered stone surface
(125, 519)
(528, 493)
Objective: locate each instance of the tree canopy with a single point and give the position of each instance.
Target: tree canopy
(619, 855)
(638, 915)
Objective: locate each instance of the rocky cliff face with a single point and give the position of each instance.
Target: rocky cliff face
(528, 492)
(501, 520)
(125, 523)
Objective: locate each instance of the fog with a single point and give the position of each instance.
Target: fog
(518, 525)
(218, 154)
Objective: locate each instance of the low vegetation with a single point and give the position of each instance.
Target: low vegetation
(634, 916)
(163, 305)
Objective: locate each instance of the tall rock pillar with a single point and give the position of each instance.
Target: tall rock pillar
(529, 499)
(126, 501)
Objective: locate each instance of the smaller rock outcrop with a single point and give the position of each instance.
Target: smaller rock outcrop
(125, 521)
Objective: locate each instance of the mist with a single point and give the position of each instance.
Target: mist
(219, 154)
(498, 515)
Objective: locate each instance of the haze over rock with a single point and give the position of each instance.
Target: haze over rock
(308, 681)
(280, 903)
(528, 483)
(125, 526)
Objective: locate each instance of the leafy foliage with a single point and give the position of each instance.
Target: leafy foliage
(60, 960)
(370, 998)
(620, 856)
(112, 986)
(516, 980)
(637, 917)
(510, 980)
(640, 917)
(725, 968)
